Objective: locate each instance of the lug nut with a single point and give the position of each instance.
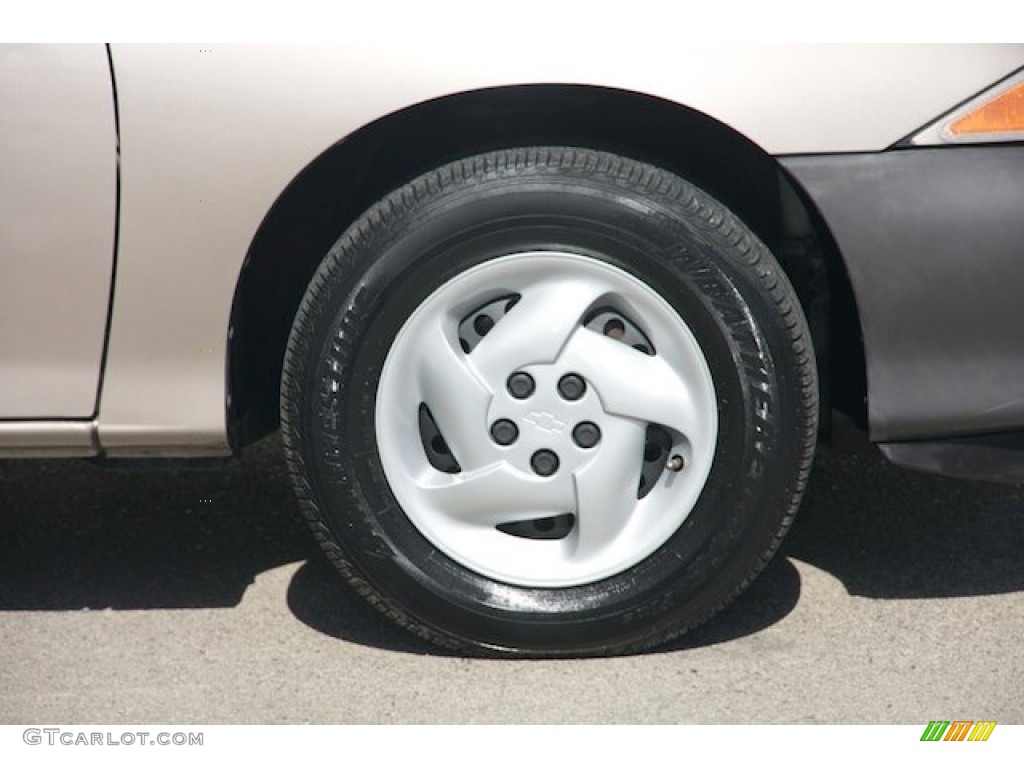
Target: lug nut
(544, 462)
(520, 385)
(504, 432)
(675, 463)
(572, 386)
(614, 328)
(586, 434)
(482, 324)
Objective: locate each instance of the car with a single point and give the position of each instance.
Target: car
(551, 339)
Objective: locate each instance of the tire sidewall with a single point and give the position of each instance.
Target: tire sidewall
(404, 250)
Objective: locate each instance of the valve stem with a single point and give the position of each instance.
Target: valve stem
(675, 463)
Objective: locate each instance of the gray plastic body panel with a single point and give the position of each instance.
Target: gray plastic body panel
(998, 458)
(933, 240)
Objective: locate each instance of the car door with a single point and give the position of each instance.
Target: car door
(58, 203)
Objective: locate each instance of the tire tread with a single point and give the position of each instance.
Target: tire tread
(715, 222)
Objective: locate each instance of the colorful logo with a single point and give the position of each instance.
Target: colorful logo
(958, 730)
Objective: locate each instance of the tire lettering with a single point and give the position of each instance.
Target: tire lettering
(645, 612)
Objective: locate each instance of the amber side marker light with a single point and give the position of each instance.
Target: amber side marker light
(1003, 114)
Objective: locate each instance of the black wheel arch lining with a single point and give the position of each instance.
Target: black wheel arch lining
(348, 177)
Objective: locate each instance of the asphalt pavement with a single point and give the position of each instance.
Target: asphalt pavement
(170, 596)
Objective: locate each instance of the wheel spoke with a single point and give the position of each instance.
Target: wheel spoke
(497, 494)
(456, 397)
(537, 328)
(633, 384)
(606, 489)
(565, 436)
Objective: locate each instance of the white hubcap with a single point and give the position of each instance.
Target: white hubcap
(537, 452)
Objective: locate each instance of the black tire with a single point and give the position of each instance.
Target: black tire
(674, 239)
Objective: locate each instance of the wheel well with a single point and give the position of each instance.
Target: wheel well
(330, 193)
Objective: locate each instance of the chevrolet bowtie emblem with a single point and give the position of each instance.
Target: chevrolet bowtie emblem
(544, 421)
